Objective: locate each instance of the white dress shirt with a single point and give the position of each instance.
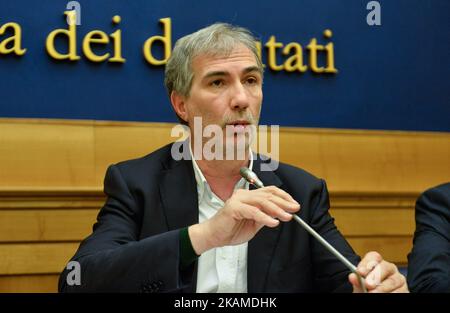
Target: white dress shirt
(221, 269)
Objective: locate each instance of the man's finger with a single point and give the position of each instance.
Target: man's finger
(369, 262)
(393, 283)
(403, 289)
(249, 212)
(270, 204)
(279, 192)
(285, 205)
(270, 208)
(353, 279)
(379, 274)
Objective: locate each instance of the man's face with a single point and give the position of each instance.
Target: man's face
(226, 91)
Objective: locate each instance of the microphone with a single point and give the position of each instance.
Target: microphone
(253, 179)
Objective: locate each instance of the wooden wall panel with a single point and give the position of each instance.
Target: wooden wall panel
(35, 258)
(74, 225)
(45, 225)
(62, 220)
(38, 154)
(374, 214)
(373, 161)
(115, 143)
(393, 249)
(29, 283)
(67, 154)
(51, 175)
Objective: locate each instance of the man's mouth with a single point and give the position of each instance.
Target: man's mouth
(240, 122)
(238, 126)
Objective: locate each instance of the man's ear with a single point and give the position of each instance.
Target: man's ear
(179, 105)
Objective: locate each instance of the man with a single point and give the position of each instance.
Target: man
(172, 225)
(429, 260)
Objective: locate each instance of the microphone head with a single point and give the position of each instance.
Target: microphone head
(251, 177)
(244, 172)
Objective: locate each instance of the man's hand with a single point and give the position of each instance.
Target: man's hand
(242, 216)
(380, 276)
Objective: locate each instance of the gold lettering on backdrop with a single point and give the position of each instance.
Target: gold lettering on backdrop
(15, 39)
(96, 37)
(290, 57)
(166, 40)
(259, 49)
(99, 37)
(295, 53)
(330, 53)
(272, 46)
(117, 39)
(71, 35)
(313, 48)
(294, 62)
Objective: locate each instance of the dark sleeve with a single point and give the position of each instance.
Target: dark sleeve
(187, 252)
(330, 274)
(113, 259)
(429, 260)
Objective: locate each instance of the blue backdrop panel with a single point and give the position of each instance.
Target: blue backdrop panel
(393, 76)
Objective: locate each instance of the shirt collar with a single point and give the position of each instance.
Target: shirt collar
(202, 183)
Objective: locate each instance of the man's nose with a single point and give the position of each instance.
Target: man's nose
(239, 97)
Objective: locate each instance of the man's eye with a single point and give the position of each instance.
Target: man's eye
(216, 83)
(252, 80)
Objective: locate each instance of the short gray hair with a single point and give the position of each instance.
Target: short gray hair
(217, 39)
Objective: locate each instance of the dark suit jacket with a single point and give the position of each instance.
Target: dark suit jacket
(429, 260)
(135, 243)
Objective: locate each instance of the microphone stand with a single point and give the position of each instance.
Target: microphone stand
(251, 177)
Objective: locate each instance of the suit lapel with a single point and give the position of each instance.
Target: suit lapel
(179, 195)
(178, 191)
(262, 247)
